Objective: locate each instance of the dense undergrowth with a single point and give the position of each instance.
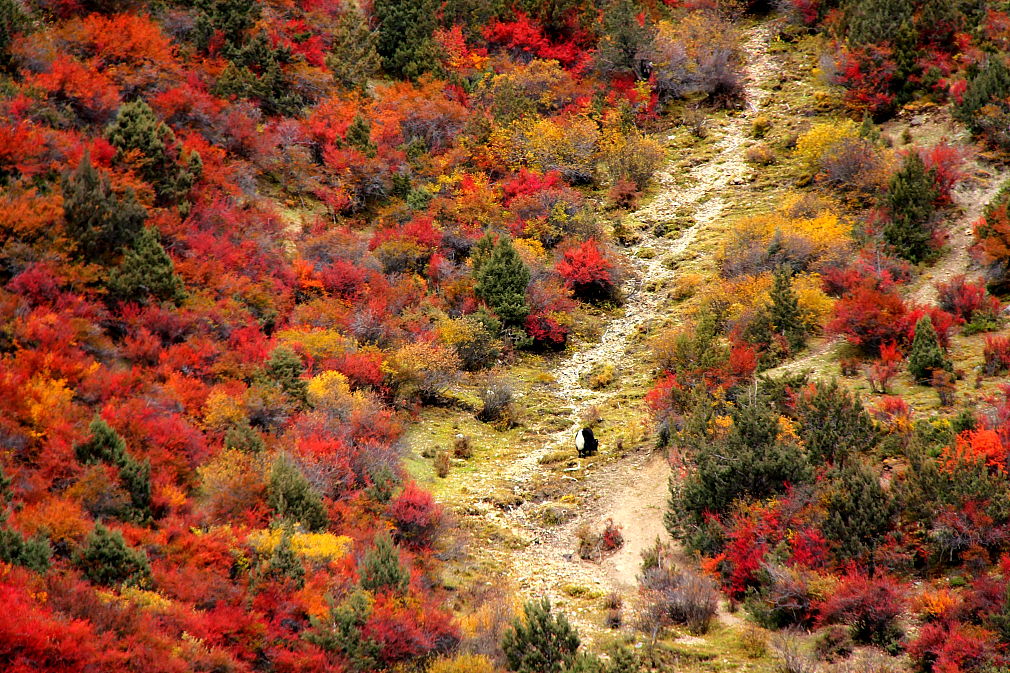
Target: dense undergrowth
(244, 244)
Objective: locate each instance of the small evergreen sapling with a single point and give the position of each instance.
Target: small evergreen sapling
(911, 196)
(291, 495)
(926, 355)
(380, 568)
(541, 642)
(502, 282)
(146, 272)
(107, 560)
(785, 310)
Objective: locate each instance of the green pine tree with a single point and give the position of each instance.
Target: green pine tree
(340, 632)
(785, 310)
(624, 660)
(540, 642)
(104, 445)
(284, 564)
(146, 272)
(107, 560)
(405, 40)
(99, 223)
(926, 355)
(291, 495)
(13, 20)
(502, 282)
(286, 369)
(137, 128)
(990, 86)
(243, 437)
(834, 424)
(353, 57)
(748, 462)
(6, 493)
(359, 135)
(233, 18)
(623, 41)
(380, 568)
(33, 553)
(911, 196)
(136, 478)
(481, 252)
(858, 511)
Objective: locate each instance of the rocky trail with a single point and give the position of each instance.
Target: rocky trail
(632, 491)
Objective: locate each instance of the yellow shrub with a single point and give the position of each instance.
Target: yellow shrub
(815, 306)
(935, 602)
(825, 231)
(568, 147)
(313, 546)
(812, 145)
(463, 663)
(327, 388)
(743, 293)
(45, 398)
(221, 411)
(324, 343)
(531, 250)
(230, 483)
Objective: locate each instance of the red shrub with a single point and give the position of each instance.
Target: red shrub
(587, 271)
(953, 648)
(869, 318)
(997, 354)
(871, 605)
(943, 323)
(416, 515)
(964, 299)
(545, 330)
(945, 161)
(362, 368)
(884, 369)
(867, 73)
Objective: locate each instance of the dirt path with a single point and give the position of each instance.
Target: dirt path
(631, 491)
(971, 195)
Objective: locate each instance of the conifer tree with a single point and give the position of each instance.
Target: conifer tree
(137, 128)
(926, 355)
(990, 86)
(834, 424)
(100, 224)
(380, 568)
(359, 135)
(291, 495)
(502, 281)
(341, 631)
(286, 369)
(621, 48)
(6, 493)
(104, 445)
(243, 437)
(785, 309)
(284, 563)
(106, 559)
(12, 21)
(481, 252)
(911, 196)
(405, 40)
(540, 642)
(858, 511)
(136, 478)
(353, 58)
(146, 272)
(33, 553)
(748, 462)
